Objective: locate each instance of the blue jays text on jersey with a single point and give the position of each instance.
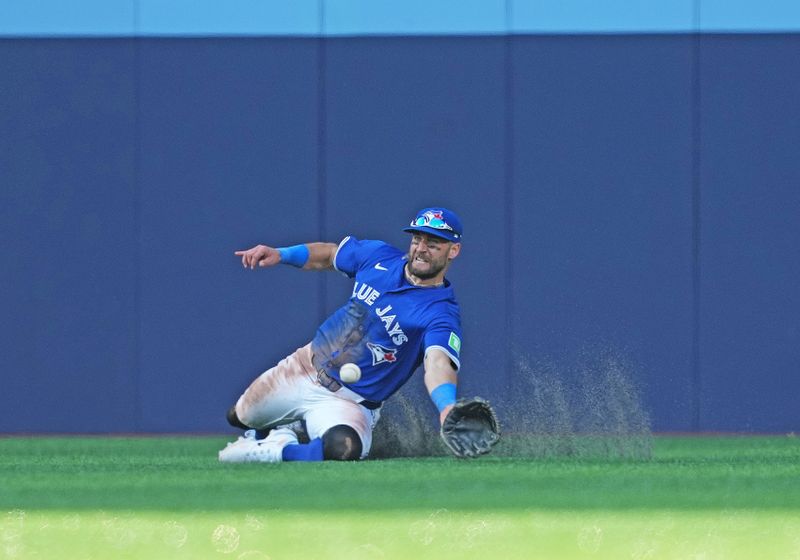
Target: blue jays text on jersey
(388, 324)
(368, 294)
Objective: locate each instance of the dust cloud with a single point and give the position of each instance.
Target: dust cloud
(588, 408)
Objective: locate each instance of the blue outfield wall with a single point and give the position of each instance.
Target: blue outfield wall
(626, 194)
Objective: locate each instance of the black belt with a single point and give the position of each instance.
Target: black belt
(333, 385)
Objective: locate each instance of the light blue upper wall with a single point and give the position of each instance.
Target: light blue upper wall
(749, 15)
(415, 17)
(128, 18)
(228, 17)
(61, 17)
(388, 17)
(608, 16)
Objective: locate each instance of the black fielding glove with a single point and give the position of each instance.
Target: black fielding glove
(470, 428)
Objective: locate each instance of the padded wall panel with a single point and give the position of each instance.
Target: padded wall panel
(750, 260)
(228, 160)
(602, 215)
(67, 213)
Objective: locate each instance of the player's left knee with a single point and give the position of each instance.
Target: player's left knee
(341, 443)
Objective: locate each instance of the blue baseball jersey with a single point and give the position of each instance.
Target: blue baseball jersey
(388, 324)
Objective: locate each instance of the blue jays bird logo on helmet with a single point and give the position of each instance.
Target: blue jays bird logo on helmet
(434, 218)
(381, 354)
(440, 222)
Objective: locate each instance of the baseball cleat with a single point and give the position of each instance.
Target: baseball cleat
(248, 449)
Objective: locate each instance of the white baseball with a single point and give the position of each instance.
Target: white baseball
(350, 373)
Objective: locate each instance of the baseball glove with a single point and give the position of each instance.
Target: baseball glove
(470, 428)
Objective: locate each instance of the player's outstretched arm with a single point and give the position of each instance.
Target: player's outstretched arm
(320, 256)
(440, 380)
(311, 256)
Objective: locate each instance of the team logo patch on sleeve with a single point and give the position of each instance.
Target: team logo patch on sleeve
(454, 342)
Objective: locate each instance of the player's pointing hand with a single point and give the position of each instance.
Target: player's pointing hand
(260, 255)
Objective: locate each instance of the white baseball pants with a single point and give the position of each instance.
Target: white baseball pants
(290, 391)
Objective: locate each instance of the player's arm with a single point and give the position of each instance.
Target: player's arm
(440, 380)
(310, 256)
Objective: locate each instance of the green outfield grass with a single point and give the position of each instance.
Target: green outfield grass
(696, 498)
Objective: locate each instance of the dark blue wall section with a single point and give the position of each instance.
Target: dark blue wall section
(750, 233)
(67, 206)
(228, 132)
(602, 213)
(131, 169)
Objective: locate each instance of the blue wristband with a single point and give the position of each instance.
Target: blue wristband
(444, 395)
(296, 255)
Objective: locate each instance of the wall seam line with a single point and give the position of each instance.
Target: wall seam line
(137, 222)
(508, 209)
(696, 132)
(322, 230)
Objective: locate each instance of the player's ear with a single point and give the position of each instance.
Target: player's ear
(455, 250)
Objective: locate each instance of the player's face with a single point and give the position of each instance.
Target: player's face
(429, 256)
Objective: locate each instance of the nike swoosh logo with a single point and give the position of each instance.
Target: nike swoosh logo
(379, 267)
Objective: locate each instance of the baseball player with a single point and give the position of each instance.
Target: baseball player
(402, 313)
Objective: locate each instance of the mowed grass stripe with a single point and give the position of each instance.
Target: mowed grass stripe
(182, 474)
